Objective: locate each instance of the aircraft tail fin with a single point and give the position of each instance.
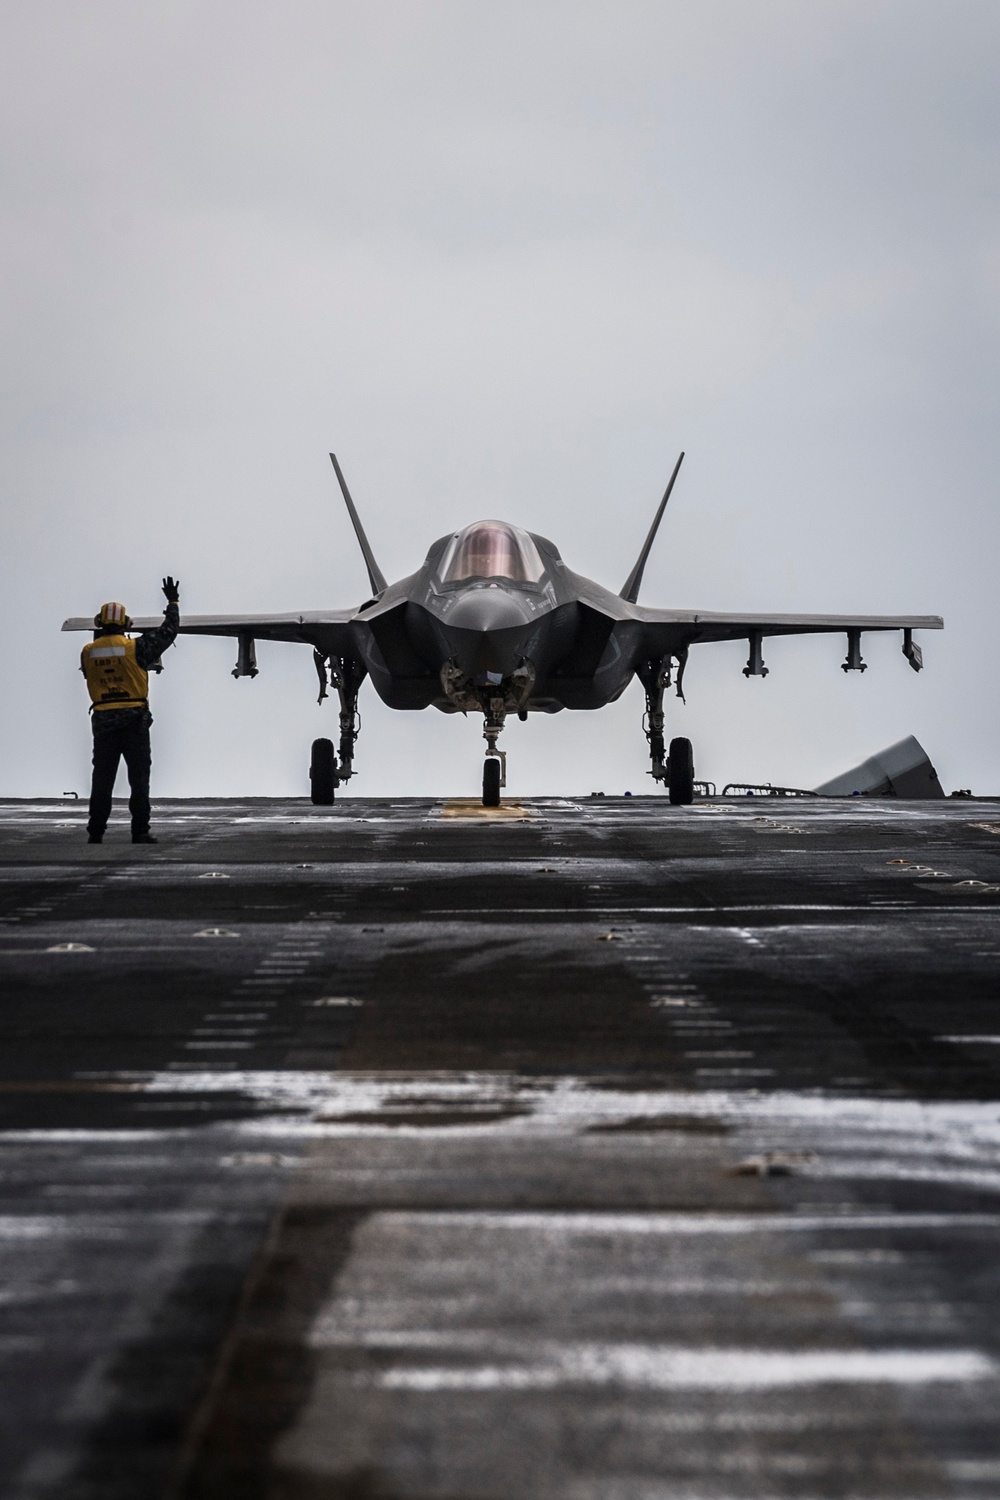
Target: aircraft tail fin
(631, 590)
(375, 575)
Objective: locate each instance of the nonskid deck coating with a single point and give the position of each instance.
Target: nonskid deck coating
(597, 1149)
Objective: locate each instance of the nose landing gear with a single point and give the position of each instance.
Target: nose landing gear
(495, 767)
(493, 780)
(494, 699)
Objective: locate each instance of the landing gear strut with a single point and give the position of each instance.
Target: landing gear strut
(655, 678)
(494, 699)
(495, 767)
(677, 768)
(327, 771)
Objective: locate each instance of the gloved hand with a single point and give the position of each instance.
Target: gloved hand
(172, 590)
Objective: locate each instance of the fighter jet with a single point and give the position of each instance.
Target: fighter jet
(494, 622)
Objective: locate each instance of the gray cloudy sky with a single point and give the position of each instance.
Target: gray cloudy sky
(507, 259)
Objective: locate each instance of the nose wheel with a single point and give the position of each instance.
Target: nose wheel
(495, 767)
(492, 776)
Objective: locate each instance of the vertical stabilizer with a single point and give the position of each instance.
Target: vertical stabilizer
(375, 575)
(631, 589)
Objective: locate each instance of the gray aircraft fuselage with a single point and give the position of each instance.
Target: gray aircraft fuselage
(476, 633)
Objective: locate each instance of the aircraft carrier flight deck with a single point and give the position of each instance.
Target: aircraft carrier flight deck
(577, 1149)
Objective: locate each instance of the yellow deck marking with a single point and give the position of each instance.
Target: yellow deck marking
(469, 807)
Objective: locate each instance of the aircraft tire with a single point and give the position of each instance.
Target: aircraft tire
(322, 773)
(680, 772)
(491, 783)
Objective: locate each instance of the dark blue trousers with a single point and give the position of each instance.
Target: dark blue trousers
(120, 735)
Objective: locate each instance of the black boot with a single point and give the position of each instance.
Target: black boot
(95, 838)
(144, 838)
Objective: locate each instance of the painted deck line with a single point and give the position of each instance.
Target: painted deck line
(474, 811)
(106, 949)
(671, 1368)
(75, 1135)
(97, 1226)
(589, 1222)
(893, 1170)
(34, 1227)
(636, 911)
(908, 1133)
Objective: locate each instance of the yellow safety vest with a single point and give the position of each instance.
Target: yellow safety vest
(114, 677)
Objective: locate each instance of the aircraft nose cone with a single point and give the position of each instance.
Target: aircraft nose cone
(486, 610)
(486, 630)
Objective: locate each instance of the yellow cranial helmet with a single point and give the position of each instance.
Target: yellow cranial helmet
(112, 614)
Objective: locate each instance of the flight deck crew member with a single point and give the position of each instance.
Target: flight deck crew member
(117, 672)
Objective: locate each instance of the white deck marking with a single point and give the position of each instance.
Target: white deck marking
(218, 1046)
(666, 1368)
(705, 910)
(588, 1222)
(980, 1041)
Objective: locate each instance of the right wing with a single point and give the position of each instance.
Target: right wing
(701, 625)
(672, 631)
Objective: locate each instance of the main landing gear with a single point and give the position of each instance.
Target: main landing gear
(323, 780)
(680, 772)
(675, 767)
(326, 771)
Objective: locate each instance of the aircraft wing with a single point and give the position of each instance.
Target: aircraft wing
(328, 629)
(689, 626)
(674, 630)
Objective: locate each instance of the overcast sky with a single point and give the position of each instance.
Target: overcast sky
(506, 259)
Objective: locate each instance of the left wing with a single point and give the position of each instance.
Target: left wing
(672, 631)
(329, 629)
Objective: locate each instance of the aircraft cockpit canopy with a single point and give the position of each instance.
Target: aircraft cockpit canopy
(492, 549)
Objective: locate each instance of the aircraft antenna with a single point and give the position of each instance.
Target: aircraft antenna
(375, 576)
(631, 589)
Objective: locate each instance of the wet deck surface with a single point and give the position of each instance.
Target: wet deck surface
(596, 1150)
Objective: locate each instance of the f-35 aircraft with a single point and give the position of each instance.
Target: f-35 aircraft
(494, 622)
